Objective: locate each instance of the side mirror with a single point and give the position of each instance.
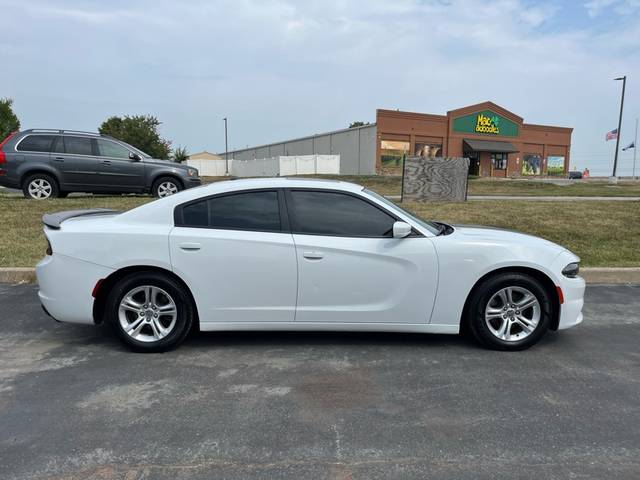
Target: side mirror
(134, 156)
(401, 230)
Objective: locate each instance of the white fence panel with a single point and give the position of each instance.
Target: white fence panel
(328, 164)
(210, 168)
(271, 166)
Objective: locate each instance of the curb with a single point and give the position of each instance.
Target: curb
(17, 275)
(603, 275)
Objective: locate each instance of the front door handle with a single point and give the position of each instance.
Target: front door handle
(105, 162)
(190, 247)
(313, 255)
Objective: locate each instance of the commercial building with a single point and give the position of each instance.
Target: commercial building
(497, 142)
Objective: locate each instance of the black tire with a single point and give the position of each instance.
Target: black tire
(159, 184)
(185, 311)
(483, 294)
(63, 194)
(49, 186)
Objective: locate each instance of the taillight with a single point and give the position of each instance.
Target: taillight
(3, 157)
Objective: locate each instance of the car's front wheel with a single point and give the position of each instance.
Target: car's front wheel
(150, 312)
(510, 311)
(166, 186)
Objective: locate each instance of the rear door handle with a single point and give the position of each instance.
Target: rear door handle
(58, 159)
(313, 255)
(190, 247)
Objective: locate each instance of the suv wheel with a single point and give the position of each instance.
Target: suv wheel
(40, 186)
(166, 186)
(510, 311)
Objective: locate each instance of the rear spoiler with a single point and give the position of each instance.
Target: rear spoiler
(54, 220)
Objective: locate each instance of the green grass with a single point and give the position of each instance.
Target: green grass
(603, 233)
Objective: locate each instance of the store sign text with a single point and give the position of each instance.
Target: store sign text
(486, 124)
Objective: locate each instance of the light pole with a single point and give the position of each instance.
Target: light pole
(226, 148)
(615, 158)
(635, 150)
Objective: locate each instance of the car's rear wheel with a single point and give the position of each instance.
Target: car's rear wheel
(166, 186)
(510, 311)
(150, 312)
(40, 186)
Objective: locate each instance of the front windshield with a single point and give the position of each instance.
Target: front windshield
(394, 206)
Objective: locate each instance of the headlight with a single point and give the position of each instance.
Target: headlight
(192, 172)
(571, 270)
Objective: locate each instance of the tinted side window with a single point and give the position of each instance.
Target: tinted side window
(242, 211)
(58, 145)
(78, 145)
(112, 149)
(36, 143)
(329, 213)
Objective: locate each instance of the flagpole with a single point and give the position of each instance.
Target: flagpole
(615, 158)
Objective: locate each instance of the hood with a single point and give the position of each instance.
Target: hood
(157, 161)
(495, 234)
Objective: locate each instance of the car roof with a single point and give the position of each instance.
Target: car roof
(280, 182)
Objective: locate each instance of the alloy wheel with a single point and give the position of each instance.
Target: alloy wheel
(40, 188)
(512, 314)
(147, 313)
(167, 188)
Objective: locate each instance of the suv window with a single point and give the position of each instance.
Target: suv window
(35, 143)
(78, 146)
(257, 211)
(107, 148)
(331, 213)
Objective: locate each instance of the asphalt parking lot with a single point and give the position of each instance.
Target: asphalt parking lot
(75, 404)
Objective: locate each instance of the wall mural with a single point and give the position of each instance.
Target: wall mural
(555, 165)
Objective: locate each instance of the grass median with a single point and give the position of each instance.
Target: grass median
(390, 185)
(603, 233)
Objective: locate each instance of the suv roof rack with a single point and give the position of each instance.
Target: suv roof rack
(55, 130)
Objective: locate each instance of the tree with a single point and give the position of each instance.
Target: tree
(141, 131)
(357, 124)
(180, 154)
(8, 120)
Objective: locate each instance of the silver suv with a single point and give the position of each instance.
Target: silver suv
(53, 163)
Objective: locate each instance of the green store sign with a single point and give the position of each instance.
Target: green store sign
(485, 123)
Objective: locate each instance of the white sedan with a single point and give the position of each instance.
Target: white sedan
(299, 254)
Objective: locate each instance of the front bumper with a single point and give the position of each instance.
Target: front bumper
(192, 182)
(571, 309)
(66, 284)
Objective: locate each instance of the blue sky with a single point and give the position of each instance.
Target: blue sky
(280, 69)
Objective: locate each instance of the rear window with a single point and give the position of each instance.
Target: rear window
(35, 143)
(257, 211)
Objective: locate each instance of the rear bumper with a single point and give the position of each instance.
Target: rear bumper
(6, 181)
(66, 285)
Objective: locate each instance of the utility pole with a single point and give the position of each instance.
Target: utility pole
(226, 149)
(615, 158)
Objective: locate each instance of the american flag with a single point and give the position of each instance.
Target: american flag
(612, 135)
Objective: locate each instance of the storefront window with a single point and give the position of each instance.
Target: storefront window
(531, 164)
(499, 161)
(555, 165)
(392, 155)
(428, 150)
